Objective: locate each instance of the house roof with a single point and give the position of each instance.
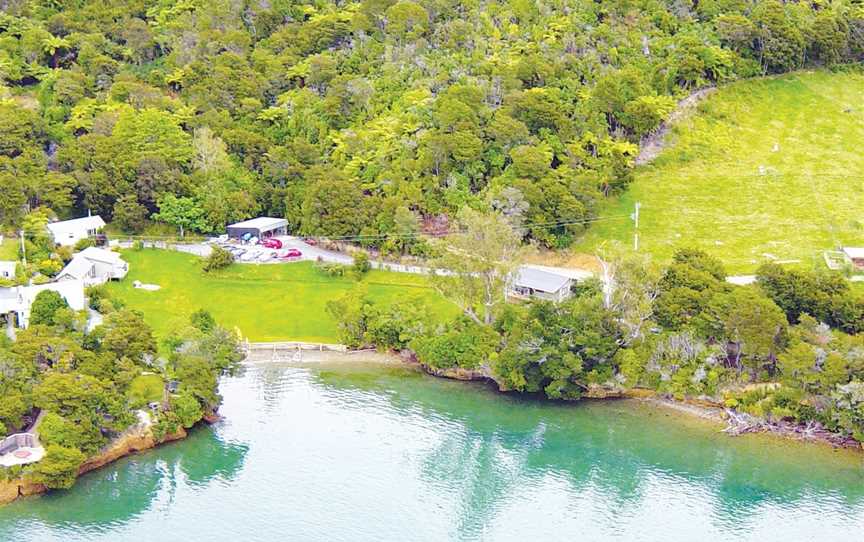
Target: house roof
(100, 255)
(854, 252)
(575, 274)
(77, 268)
(71, 290)
(77, 224)
(262, 223)
(538, 279)
(19, 298)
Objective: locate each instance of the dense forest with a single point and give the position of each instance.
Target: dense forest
(375, 119)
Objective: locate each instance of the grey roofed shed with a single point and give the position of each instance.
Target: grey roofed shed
(543, 284)
(263, 226)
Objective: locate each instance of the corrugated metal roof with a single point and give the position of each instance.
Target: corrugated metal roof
(101, 255)
(262, 223)
(537, 279)
(77, 268)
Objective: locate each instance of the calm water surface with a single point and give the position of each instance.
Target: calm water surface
(355, 454)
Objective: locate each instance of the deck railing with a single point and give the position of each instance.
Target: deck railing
(18, 440)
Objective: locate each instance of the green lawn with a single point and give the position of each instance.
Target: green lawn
(146, 389)
(265, 302)
(9, 249)
(767, 167)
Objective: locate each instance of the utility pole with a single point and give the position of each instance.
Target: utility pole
(23, 248)
(635, 217)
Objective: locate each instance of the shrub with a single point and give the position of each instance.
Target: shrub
(57, 430)
(187, 409)
(84, 243)
(331, 269)
(45, 307)
(219, 258)
(202, 320)
(49, 267)
(362, 265)
(59, 468)
(96, 295)
(166, 424)
(463, 345)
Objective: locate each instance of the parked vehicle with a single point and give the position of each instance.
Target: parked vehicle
(310, 241)
(272, 243)
(291, 253)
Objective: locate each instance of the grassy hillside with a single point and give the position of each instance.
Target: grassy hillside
(266, 302)
(768, 168)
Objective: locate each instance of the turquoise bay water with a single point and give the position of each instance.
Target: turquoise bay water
(354, 454)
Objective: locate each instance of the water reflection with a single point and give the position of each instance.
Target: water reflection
(390, 454)
(615, 451)
(126, 489)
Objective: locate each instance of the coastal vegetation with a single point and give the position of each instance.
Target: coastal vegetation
(263, 302)
(81, 389)
(789, 347)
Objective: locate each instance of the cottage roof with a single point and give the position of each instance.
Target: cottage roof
(19, 298)
(85, 223)
(100, 255)
(538, 279)
(71, 290)
(77, 268)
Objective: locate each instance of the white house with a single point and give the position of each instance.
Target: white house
(541, 283)
(7, 269)
(94, 266)
(69, 232)
(16, 301)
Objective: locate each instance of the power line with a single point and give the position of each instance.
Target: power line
(531, 225)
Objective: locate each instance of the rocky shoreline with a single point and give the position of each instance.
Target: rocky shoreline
(737, 423)
(140, 437)
(137, 439)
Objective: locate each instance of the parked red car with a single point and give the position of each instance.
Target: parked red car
(291, 253)
(310, 241)
(272, 243)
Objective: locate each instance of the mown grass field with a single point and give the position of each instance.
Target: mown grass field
(8, 249)
(767, 168)
(265, 302)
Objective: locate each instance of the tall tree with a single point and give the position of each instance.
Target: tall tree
(477, 263)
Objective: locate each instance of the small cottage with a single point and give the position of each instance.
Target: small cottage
(68, 232)
(541, 284)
